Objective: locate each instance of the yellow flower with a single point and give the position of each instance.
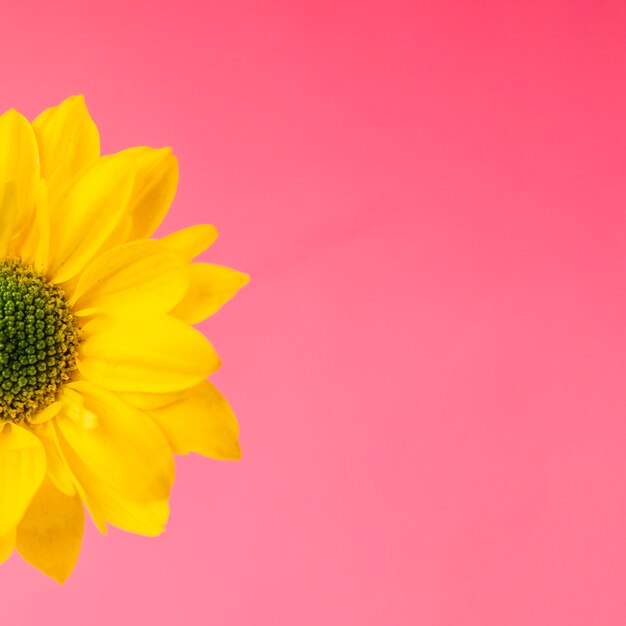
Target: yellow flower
(102, 376)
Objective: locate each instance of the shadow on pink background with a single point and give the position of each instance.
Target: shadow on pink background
(429, 364)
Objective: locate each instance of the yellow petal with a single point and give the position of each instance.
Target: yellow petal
(210, 288)
(46, 414)
(67, 136)
(158, 354)
(61, 475)
(149, 401)
(19, 175)
(7, 543)
(201, 421)
(50, 534)
(58, 471)
(87, 213)
(9, 213)
(122, 447)
(58, 184)
(107, 504)
(34, 243)
(154, 189)
(142, 275)
(122, 462)
(22, 469)
(192, 241)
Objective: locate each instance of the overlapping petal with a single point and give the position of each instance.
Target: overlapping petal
(156, 180)
(143, 276)
(156, 354)
(192, 241)
(19, 176)
(155, 188)
(67, 137)
(149, 401)
(200, 421)
(33, 247)
(22, 470)
(211, 286)
(58, 470)
(118, 455)
(87, 213)
(50, 534)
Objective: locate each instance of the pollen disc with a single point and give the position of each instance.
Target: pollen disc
(38, 341)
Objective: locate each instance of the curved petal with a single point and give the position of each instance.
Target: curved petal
(150, 401)
(154, 189)
(97, 515)
(19, 175)
(50, 534)
(45, 415)
(157, 354)
(210, 288)
(10, 208)
(67, 137)
(87, 213)
(58, 471)
(33, 245)
(201, 421)
(142, 275)
(22, 469)
(119, 444)
(192, 241)
(120, 458)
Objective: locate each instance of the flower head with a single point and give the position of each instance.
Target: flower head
(102, 375)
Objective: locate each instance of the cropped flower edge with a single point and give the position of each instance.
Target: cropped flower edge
(102, 375)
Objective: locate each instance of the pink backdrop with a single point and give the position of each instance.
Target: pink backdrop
(429, 364)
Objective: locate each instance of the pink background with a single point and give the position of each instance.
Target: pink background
(429, 364)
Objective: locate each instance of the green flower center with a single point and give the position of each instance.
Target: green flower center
(38, 341)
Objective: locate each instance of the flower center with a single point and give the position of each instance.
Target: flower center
(38, 341)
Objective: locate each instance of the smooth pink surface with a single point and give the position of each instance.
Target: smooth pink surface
(429, 364)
